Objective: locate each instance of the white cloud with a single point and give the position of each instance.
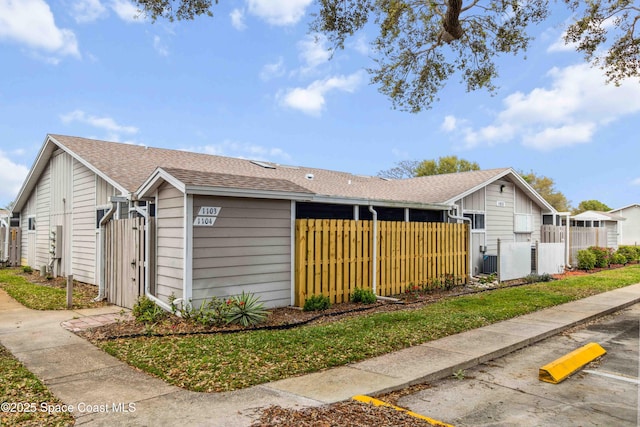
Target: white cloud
(237, 19)
(361, 45)
(311, 100)
(31, 22)
(244, 150)
(84, 11)
(279, 12)
(160, 47)
(104, 123)
(273, 70)
(635, 181)
(127, 11)
(313, 51)
(448, 124)
(12, 175)
(570, 111)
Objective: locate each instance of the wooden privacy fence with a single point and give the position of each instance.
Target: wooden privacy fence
(334, 257)
(124, 247)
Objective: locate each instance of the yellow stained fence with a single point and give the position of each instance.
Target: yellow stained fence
(333, 257)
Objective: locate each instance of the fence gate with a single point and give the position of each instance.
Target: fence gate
(15, 238)
(124, 261)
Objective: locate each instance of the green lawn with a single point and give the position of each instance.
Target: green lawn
(49, 296)
(26, 401)
(222, 362)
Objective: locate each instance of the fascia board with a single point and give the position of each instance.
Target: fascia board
(89, 166)
(40, 163)
(156, 179)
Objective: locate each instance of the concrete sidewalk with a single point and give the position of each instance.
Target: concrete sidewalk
(83, 376)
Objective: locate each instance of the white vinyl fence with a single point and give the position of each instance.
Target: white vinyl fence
(514, 260)
(518, 260)
(549, 258)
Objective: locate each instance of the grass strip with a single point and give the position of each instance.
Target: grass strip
(26, 401)
(232, 361)
(41, 297)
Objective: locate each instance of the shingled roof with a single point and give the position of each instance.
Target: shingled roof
(128, 166)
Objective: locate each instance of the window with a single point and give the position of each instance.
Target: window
(477, 220)
(100, 213)
(32, 223)
(523, 223)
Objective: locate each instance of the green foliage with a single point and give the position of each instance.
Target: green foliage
(27, 269)
(419, 46)
(447, 164)
(246, 310)
(19, 385)
(545, 186)
(488, 279)
(618, 258)
(413, 290)
(586, 259)
(316, 303)
(147, 311)
(364, 296)
(591, 205)
(223, 362)
(211, 312)
(631, 253)
(538, 278)
(603, 256)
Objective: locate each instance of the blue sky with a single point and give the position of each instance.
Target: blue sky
(252, 82)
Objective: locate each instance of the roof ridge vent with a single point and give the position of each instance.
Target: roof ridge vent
(309, 176)
(262, 164)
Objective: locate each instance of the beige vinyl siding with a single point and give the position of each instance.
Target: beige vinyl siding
(499, 215)
(61, 210)
(84, 224)
(247, 249)
(474, 202)
(170, 242)
(43, 202)
(525, 205)
(104, 190)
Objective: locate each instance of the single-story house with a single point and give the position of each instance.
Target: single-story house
(225, 225)
(629, 230)
(600, 220)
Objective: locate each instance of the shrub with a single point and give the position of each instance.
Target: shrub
(365, 296)
(317, 303)
(618, 258)
(147, 311)
(538, 278)
(27, 269)
(631, 253)
(586, 259)
(245, 310)
(602, 256)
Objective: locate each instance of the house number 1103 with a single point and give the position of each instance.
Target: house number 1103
(209, 211)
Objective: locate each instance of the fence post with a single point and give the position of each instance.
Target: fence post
(69, 291)
(498, 261)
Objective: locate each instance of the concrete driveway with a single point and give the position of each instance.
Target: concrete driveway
(507, 392)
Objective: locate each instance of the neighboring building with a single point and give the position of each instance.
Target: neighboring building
(224, 225)
(629, 229)
(600, 220)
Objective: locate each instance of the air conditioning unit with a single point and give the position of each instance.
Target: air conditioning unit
(490, 264)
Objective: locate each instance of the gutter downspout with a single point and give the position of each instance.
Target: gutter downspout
(147, 261)
(374, 258)
(103, 222)
(468, 220)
